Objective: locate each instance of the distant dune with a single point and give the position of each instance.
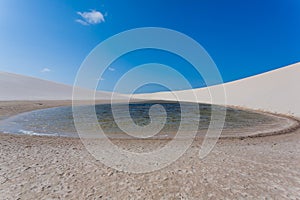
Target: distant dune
(275, 91)
(19, 87)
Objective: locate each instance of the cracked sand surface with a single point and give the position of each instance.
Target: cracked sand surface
(33, 167)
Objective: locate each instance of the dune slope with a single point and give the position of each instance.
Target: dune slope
(274, 91)
(19, 87)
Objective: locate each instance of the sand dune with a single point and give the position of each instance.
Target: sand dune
(275, 91)
(19, 87)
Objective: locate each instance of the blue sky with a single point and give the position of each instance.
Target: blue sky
(49, 39)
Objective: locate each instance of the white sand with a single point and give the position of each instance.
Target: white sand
(274, 91)
(19, 87)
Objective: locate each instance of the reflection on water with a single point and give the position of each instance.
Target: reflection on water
(59, 121)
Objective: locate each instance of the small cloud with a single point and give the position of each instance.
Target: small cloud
(89, 18)
(111, 69)
(80, 21)
(45, 70)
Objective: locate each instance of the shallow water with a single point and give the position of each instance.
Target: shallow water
(59, 121)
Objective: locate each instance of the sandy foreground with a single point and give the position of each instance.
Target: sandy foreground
(33, 167)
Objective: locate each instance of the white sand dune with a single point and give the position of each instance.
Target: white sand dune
(19, 87)
(274, 91)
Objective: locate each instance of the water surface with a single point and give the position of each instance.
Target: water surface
(59, 121)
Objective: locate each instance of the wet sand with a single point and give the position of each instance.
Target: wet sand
(34, 167)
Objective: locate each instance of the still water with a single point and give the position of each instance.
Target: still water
(59, 121)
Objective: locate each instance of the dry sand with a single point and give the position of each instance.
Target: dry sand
(35, 167)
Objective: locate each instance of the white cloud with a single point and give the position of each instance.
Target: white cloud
(80, 21)
(111, 69)
(45, 70)
(92, 17)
